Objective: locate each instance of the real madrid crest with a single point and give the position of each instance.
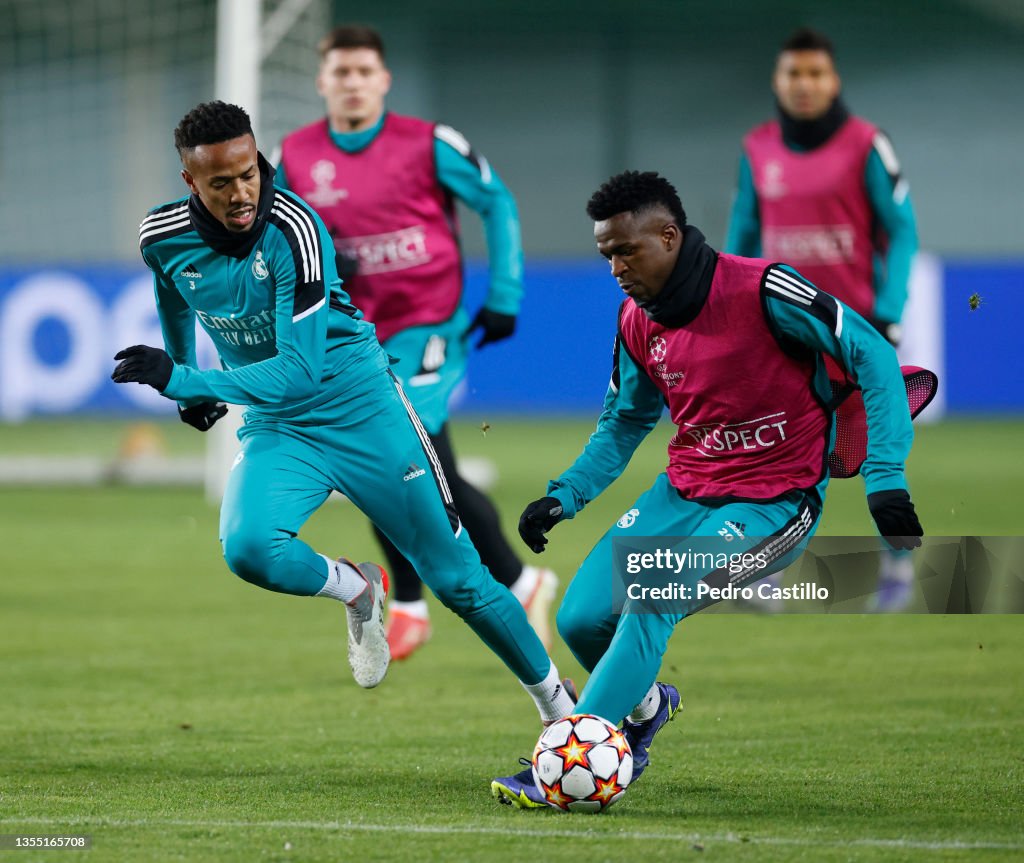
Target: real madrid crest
(629, 519)
(259, 267)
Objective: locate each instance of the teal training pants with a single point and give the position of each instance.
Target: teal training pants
(375, 452)
(431, 363)
(623, 652)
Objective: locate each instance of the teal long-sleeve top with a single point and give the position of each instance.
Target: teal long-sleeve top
(471, 179)
(633, 403)
(291, 344)
(889, 197)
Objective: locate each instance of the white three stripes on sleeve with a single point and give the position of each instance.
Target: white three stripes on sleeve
(883, 146)
(457, 141)
(308, 242)
(454, 139)
(158, 223)
(788, 286)
(306, 235)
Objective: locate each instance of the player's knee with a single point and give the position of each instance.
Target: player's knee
(453, 573)
(455, 595)
(253, 557)
(245, 557)
(575, 624)
(468, 591)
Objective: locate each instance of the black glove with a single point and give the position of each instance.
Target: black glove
(537, 519)
(142, 364)
(890, 332)
(897, 522)
(496, 326)
(203, 415)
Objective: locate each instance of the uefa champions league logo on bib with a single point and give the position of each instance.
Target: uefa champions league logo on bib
(773, 186)
(322, 173)
(259, 267)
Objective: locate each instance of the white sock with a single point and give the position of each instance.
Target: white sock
(648, 706)
(524, 586)
(550, 696)
(417, 608)
(344, 581)
(897, 567)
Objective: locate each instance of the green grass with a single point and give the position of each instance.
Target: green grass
(153, 701)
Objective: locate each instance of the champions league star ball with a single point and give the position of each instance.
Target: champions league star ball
(582, 763)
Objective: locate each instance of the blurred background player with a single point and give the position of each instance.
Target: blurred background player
(820, 188)
(386, 185)
(702, 333)
(256, 266)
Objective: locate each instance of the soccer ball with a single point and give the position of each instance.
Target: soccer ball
(582, 763)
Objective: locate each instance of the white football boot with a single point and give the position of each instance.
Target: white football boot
(368, 652)
(543, 585)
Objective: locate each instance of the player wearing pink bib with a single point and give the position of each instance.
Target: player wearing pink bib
(388, 215)
(733, 347)
(386, 187)
(821, 189)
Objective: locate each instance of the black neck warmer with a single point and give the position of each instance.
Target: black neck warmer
(810, 134)
(687, 287)
(235, 244)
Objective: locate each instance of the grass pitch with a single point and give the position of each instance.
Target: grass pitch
(153, 701)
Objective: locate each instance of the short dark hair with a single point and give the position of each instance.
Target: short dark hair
(351, 36)
(808, 39)
(211, 123)
(633, 192)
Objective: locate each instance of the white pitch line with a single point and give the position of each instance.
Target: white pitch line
(583, 833)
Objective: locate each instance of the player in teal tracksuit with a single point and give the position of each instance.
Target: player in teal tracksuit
(822, 189)
(733, 348)
(256, 267)
(486, 194)
(386, 186)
